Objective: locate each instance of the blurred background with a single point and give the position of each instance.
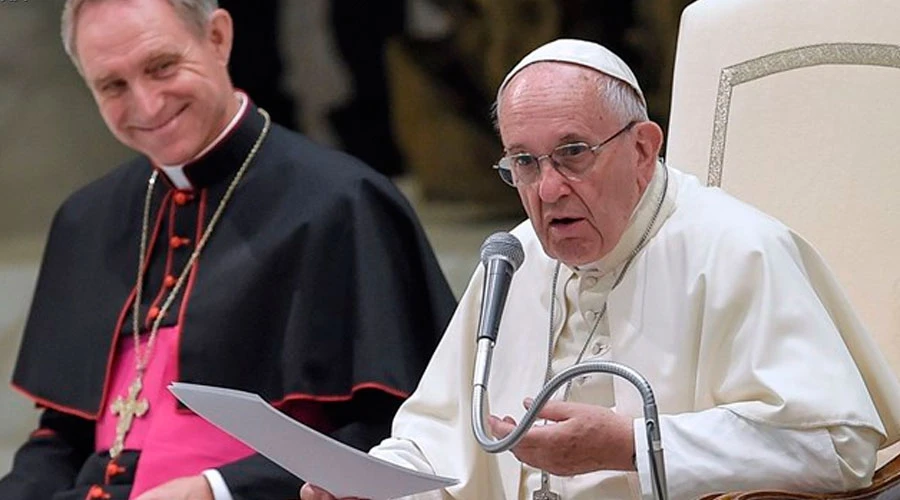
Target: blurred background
(406, 85)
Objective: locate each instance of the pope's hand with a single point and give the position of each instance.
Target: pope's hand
(183, 488)
(577, 438)
(310, 492)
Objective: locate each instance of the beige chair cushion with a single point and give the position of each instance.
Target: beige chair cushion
(794, 106)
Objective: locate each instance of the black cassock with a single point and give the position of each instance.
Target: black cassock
(317, 285)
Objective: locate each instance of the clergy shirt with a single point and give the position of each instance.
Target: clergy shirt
(175, 173)
(705, 439)
(585, 289)
(172, 444)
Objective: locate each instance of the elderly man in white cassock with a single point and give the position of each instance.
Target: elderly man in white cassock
(720, 307)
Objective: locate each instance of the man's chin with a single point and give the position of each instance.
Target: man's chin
(166, 162)
(573, 255)
(170, 156)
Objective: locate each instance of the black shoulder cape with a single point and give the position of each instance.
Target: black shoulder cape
(317, 283)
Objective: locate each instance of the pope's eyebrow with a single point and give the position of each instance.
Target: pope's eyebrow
(518, 148)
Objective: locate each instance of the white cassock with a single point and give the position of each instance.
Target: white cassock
(763, 376)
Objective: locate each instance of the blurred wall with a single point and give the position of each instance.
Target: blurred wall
(51, 141)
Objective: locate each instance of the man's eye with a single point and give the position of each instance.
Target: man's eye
(163, 68)
(113, 87)
(570, 150)
(523, 160)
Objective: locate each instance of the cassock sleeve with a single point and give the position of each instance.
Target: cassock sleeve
(258, 478)
(792, 410)
(51, 458)
(431, 431)
(839, 458)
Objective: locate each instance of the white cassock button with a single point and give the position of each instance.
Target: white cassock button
(590, 281)
(591, 315)
(597, 348)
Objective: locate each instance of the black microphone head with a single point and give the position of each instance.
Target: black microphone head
(503, 245)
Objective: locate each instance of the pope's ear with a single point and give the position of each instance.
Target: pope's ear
(220, 33)
(648, 142)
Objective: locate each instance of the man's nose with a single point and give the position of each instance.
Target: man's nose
(552, 185)
(147, 100)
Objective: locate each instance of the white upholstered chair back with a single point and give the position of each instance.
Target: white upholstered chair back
(794, 107)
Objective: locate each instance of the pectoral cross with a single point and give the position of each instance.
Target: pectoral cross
(126, 410)
(544, 493)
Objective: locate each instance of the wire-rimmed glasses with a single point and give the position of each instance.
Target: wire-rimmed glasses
(572, 160)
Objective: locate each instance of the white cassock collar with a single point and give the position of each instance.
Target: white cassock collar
(175, 173)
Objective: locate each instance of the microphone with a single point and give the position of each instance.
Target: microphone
(501, 255)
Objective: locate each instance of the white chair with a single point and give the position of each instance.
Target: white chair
(794, 107)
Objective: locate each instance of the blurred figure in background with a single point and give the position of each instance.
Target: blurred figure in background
(257, 61)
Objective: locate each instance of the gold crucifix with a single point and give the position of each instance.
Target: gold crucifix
(126, 410)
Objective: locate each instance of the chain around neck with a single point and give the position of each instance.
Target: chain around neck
(142, 358)
(545, 476)
(643, 240)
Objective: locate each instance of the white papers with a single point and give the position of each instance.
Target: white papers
(302, 451)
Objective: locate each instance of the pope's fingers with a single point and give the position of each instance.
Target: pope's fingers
(310, 492)
(501, 427)
(558, 411)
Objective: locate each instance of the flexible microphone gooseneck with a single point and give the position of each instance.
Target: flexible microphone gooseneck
(501, 255)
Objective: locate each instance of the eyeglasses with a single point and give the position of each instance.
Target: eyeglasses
(571, 160)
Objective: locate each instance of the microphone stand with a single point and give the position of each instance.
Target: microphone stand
(651, 418)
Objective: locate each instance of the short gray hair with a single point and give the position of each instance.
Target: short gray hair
(623, 101)
(194, 13)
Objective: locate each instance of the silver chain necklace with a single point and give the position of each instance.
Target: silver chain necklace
(544, 493)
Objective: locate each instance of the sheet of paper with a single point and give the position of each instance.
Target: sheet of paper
(306, 453)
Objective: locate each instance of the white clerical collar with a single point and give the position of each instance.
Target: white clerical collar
(644, 214)
(175, 173)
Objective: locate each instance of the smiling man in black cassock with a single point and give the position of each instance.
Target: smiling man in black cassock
(232, 252)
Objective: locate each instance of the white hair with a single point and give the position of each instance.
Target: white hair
(194, 13)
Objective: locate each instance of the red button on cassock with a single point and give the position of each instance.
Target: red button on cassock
(182, 198)
(96, 492)
(178, 241)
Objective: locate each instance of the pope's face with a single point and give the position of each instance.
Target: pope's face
(162, 88)
(550, 104)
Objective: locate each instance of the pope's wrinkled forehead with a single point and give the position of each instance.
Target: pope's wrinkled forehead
(589, 54)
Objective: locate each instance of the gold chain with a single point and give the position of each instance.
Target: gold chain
(131, 407)
(142, 359)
